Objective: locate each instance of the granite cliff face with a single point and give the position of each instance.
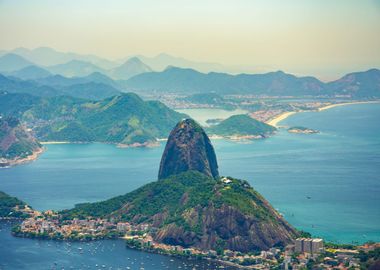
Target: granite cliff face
(188, 148)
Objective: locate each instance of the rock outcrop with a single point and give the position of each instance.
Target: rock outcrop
(188, 148)
(191, 206)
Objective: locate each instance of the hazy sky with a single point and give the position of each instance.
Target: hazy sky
(320, 37)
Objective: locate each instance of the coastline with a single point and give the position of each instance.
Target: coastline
(30, 158)
(274, 121)
(277, 119)
(55, 142)
(344, 104)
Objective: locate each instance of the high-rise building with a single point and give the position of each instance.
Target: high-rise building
(317, 245)
(309, 245)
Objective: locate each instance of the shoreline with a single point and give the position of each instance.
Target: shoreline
(274, 121)
(344, 104)
(55, 142)
(282, 116)
(30, 158)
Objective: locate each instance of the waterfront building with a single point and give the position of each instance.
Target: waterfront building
(309, 245)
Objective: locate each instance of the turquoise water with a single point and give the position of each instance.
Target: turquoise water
(202, 115)
(338, 169)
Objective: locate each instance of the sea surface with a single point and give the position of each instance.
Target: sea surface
(327, 184)
(202, 115)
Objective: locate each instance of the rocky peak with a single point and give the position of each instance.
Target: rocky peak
(188, 148)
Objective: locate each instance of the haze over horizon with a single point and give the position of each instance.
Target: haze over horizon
(321, 39)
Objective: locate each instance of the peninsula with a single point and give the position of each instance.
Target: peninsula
(190, 207)
(17, 144)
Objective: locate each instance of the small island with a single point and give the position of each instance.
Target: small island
(303, 130)
(240, 127)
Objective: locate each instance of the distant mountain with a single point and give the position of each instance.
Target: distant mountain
(188, 148)
(89, 90)
(11, 62)
(62, 81)
(15, 85)
(358, 84)
(75, 68)
(163, 60)
(57, 81)
(189, 81)
(193, 207)
(31, 73)
(16, 143)
(124, 119)
(241, 125)
(98, 77)
(130, 68)
(45, 56)
(58, 86)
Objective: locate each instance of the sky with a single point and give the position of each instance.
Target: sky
(324, 38)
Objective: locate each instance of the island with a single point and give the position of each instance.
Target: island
(238, 127)
(17, 143)
(303, 130)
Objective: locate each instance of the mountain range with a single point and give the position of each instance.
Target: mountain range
(188, 81)
(58, 86)
(44, 56)
(12, 63)
(136, 74)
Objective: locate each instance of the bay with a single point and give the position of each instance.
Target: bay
(326, 183)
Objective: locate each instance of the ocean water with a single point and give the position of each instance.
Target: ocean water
(202, 115)
(327, 184)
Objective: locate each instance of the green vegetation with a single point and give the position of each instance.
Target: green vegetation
(367, 259)
(7, 205)
(176, 197)
(123, 119)
(189, 81)
(241, 125)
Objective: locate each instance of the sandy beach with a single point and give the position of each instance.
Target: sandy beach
(54, 142)
(343, 104)
(274, 121)
(277, 119)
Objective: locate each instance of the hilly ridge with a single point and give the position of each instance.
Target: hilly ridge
(241, 125)
(135, 75)
(189, 81)
(124, 119)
